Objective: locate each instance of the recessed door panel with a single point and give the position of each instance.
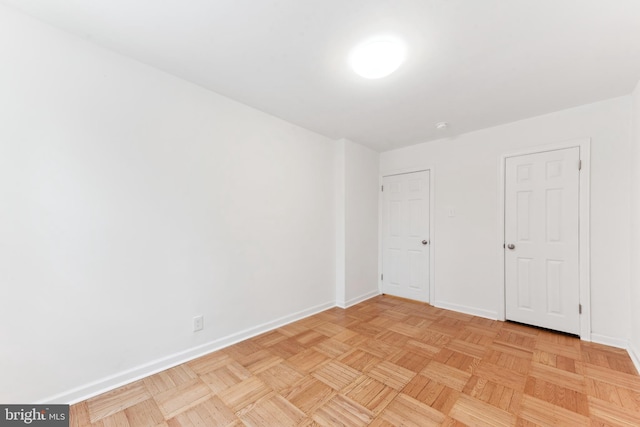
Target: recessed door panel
(554, 286)
(523, 215)
(415, 215)
(554, 215)
(394, 266)
(524, 283)
(395, 223)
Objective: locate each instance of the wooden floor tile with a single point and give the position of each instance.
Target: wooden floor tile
(244, 348)
(410, 360)
(391, 374)
(425, 350)
(169, 379)
(508, 360)
(432, 393)
(434, 339)
(504, 348)
(359, 360)
(292, 329)
(558, 377)
(275, 411)
(269, 339)
(615, 359)
(443, 374)
(546, 414)
(308, 394)
(144, 413)
(494, 394)
(79, 415)
(571, 351)
(405, 411)
(457, 360)
(287, 348)
(117, 400)
(212, 412)
(280, 376)
(209, 363)
(370, 393)
(471, 411)
(556, 361)
(366, 329)
(308, 360)
(329, 329)
(332, 348)
(384, 320)
(341, 411)
(180, 398)
(223, 378)
(336, 375)
(260, 361)
(378, 348)
(501, 375)
(119, 419)
(607, 414)
(407, 329)
(244, 393)
(630, 381)
(392, 338)
(385, 362)
(468, 348)
(310, 338)
(557, 395)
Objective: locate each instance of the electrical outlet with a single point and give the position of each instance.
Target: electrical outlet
(198, 323)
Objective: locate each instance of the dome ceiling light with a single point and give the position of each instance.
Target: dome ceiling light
(377, 58)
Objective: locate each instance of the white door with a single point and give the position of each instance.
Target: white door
(405, 236)
(541, 239)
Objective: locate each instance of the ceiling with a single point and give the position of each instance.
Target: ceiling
(471, 63)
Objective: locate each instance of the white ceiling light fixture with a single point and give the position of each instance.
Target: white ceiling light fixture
(378, 57)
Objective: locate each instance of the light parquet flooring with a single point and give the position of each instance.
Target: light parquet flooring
(385, 362)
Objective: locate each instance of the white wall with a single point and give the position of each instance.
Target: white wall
(133, 201)
(466, 179)
(357, 223)
(634, 347)
(361, 220)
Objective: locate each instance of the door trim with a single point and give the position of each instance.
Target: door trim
(432, 233)
(584, 146)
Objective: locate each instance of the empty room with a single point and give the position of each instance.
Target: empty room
(357, 212)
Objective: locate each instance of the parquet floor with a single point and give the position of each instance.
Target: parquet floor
(385, 362)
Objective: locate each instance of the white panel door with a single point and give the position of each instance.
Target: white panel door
(405, 236)
(541, 239)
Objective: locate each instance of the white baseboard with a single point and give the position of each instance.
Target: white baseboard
(114, 381)
(634, 354)
(488, 314)
(610, 341)
(358, 299)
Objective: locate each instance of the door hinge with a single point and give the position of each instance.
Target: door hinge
(382, 188)
(579, 308)
(382, 277)
(504, 246)
(579, 165)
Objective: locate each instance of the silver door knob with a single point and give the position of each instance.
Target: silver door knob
(425, 242)
(511, 246)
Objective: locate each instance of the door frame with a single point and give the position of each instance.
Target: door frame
(404, 171)
(584, 191)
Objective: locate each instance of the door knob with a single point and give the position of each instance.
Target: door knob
(425, 242)
(511, 246)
